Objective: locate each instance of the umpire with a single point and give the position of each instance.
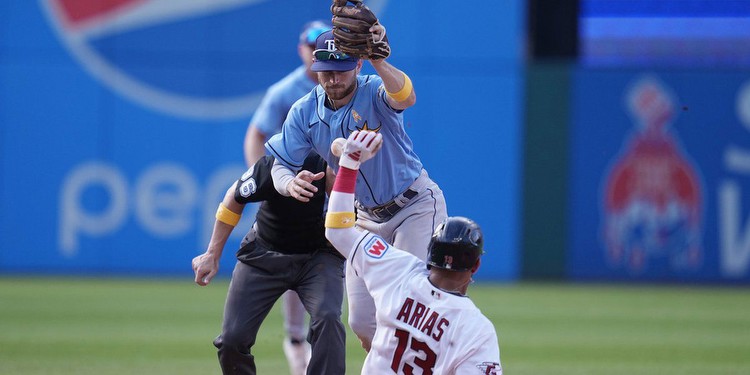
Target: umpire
(285, 250)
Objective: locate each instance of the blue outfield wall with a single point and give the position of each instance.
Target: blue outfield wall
(660, 176)
(120, 129)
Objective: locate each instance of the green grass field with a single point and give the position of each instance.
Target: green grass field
(122, 326)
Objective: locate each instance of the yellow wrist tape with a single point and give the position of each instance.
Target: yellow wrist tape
(226, 216)
(340, 220)
(405, 91)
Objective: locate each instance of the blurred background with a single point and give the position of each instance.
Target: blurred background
(591, 139)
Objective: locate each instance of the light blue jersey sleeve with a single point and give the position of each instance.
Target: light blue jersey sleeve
(396, 165)
(292, 145)
(273, 109)
(311, 126)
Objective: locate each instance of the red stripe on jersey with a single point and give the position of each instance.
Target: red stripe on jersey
(346, 180)
(82, 10)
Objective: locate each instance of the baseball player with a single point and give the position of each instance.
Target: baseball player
(395, 197)
(425, 322)
(285, 250)
(266, 122)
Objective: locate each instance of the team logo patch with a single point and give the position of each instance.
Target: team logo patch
(652, 202)
(247, 174)
(367, 127)
(490, 368)
(248, 188)
(356, 116)
(376, 247)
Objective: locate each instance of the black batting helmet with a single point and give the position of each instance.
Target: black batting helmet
(455, 245)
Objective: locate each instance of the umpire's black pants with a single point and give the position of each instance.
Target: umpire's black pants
(258, 281)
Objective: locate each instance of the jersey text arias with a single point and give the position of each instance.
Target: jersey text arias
(423, 318)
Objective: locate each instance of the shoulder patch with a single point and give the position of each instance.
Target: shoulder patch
(376, 247)
(248, 188)
(247, 174)
(490, 368)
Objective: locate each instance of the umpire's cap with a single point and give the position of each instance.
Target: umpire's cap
(327, 58)
(456, 245)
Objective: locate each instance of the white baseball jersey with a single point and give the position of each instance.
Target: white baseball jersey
(421, 329)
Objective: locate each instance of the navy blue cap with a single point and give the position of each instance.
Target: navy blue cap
(327, 58)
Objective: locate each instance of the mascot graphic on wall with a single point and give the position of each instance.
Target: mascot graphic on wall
(652, 194)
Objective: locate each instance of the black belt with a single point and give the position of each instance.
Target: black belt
(386, 211)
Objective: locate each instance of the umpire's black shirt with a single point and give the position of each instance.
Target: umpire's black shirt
(284, 224)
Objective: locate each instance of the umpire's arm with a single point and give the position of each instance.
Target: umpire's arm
(397, 85)
(206, 265)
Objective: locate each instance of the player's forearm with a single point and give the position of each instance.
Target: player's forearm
(397, 85)
(219, 238)
(340, 217)
(253, 145)
(281, 176)
(227, 216)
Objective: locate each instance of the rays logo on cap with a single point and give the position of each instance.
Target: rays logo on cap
(191, 58)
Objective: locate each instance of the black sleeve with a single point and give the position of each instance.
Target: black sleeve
(256, 184)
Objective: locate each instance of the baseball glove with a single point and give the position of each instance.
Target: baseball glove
(351, 31)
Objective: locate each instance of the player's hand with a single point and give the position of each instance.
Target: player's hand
(378, 32)
(301, 187)
(361, 146)
(205, 266)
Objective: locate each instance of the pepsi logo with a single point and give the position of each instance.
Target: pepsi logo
(190, 58)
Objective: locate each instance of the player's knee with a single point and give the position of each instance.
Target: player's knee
(327, 320)
(333, 313)
(231, 341)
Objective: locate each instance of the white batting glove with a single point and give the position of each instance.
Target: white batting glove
(361, 146)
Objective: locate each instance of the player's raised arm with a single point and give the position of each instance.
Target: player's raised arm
(358, 32)
(360, 146)
(398, 86)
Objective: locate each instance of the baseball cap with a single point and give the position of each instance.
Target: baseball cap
(327, 58)
(311, 31)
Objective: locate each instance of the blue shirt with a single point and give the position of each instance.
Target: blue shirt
(272, 110)
(311, 126)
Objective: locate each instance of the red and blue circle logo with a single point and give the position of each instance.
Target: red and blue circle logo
(192, 58)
